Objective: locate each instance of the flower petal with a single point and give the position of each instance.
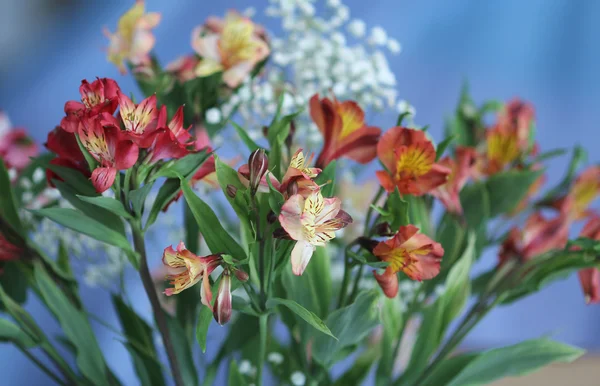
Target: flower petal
(300, 257)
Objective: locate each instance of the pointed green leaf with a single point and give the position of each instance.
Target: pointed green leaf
(249, 142)
(302, 312)
(8, 203)
(107, 203)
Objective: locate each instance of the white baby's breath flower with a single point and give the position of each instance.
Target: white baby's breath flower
(275, 358)
(38, 175)
(213, 115)
(25, 183)
(357, 28)
(297, 378)
(334, 3)
(378, 36)
(245, 367)
(12, 174)
(394, 46)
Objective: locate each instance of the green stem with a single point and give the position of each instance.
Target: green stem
(159, 315)
(262, 350)
(43, 367)
(356, 285)
(380, 193)
(345, 280)
(261, 255)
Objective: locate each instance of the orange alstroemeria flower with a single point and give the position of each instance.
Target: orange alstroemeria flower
(409, 158)
(538, 236)
(460, 167)
(590, 277)
(408, 251)
(583, 192)
(344, 131)
(187, 269)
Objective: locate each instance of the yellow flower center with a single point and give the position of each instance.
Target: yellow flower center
(299, 162)
(128, 21)
(352, 120)
(413, 162)
(584, 193)
(502, 148)
(237, 43)
(92, 99)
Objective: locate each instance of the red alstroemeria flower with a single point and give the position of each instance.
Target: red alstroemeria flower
(408, 251)
(176, 126)
(460, 167)
(539, 235)
(187, 269)
(409, 158)
(590, 277)
(110, 147)
(9, 251)
(312, 222)
(344, 131)
(164, 145)
(17, 148)
(140, 120)
(64, 145)
(97, 97)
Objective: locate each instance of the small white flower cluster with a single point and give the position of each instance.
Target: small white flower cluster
(246, 368)
(319, 54)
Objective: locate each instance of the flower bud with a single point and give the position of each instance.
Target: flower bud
(241, 275)
(367, 243)
(258, 163)
(222, 306)
(292, 188)
(384, 229)
(231, 190)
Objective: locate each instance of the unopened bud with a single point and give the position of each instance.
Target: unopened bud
(384, 229)
(292, 188)
(367, 243)
(241, 275)
(222, 306)
(231, 190)
(258, 163)
(290, 138)
(271, 217)
(265, 131)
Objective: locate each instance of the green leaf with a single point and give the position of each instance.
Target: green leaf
(507, 189)
(77, 181)
(107, 203)
(183, 351)
(350, 325)
(140, 343)
(235, 377)
(14, 282)
(448, 369)
(100, 214)
(360, 368)
(249, 142)
(8, 203)
(327, 176)
(205, 317)
(401, 118)
(302, 312)
(75, 326)
(438, 316)
(549, 155)
(441, 148)
(25, 321)
(216, 237)
(419, 214)
(138, 198)
(183, 166)
(276, 199)
(81, 223)
(520, 359)
(475, 201)
(10, 332)
(391, 316)
(397, 211)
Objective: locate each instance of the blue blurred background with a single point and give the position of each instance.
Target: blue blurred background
(544, 51)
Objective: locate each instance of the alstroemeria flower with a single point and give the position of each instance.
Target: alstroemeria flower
(312, 222)
(184, 67)
(301, 174)
(140, 120)
(97, 97)
(344, 131)
(187, 269)
(409, 158)
(539, 235)
(64, 145)
(110, 147)
(460, 167)
(408, 251)
(508, 140)
(584, 191)
(235, 48)
(133, 40)
(17, 148)
(590, 277)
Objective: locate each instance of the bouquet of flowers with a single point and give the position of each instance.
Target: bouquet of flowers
(350, 263)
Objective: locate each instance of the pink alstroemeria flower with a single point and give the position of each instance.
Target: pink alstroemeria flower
(16, 147)
(590, 277)
(344, 131)
(140, 120)
(186, 269)
(133, 40)
(111, 147)
(411, 252)
(312, 222)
